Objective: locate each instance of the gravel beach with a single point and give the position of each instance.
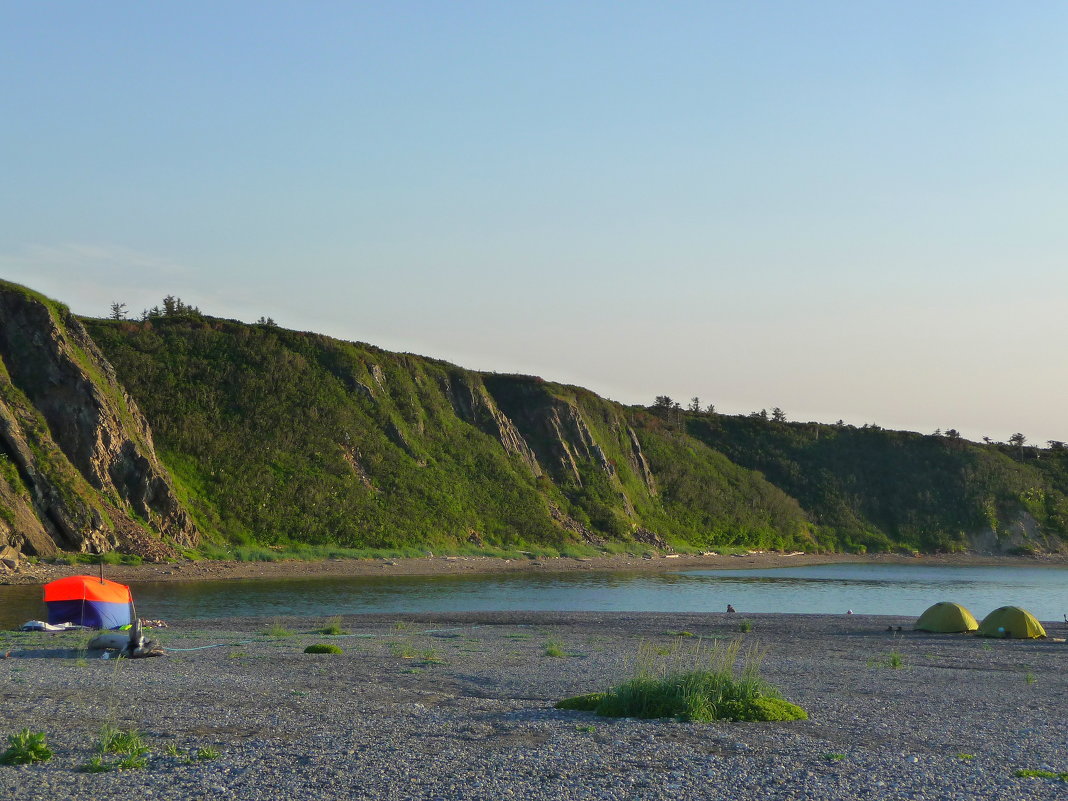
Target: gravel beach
(457, 706)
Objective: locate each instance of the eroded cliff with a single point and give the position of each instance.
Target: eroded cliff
(78, 470)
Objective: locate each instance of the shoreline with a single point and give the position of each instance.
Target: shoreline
(208, 570)
(460, 706)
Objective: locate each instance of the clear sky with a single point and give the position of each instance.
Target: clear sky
(848, 210)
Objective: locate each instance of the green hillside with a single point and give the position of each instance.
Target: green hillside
(280, 437)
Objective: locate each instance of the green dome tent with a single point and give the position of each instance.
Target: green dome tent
(945, 617)
(1011, 622)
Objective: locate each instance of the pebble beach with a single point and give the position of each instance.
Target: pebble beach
(460, 706)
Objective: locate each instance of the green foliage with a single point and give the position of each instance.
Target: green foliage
(333, 627)
(323, 648)
(292, 445)
(26, 747)
(276, 629)
(96, 764)
(894, 660)
(582, 703)
(710, 689)
(1029, 773)
(745, 626)
(554, 648)
(114, 740)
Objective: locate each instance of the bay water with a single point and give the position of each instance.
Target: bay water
(898, 590)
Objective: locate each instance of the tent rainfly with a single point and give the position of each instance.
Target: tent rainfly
(88, 601)
(1011, 622)
(945, 617)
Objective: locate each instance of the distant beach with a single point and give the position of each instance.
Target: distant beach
(445, 565)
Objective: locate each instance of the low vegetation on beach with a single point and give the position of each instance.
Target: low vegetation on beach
(710, 687)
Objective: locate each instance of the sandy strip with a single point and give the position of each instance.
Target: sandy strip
(443, 565)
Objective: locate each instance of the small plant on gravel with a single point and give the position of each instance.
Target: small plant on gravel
(745, 626)
(1027, 773)
(894, 660)
(323, 648)
(132, 762)
(1029, 677)
(172, 750)
(96, 764)
(237, 655)
(965, 757)
(588, 728)
(114, 740)
(555, 648)
(26, 747)
(698, 688)
(431, 657)
(276, 629)
(403, 650)
(680, 633)
(403, 625)
(207, 754)
(834, 757)
(333, 627)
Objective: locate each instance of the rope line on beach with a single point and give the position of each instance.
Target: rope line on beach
(279, 639)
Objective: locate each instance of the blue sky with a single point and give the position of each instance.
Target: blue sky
(848, 210)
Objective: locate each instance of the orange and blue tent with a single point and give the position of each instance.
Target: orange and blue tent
(88, 601)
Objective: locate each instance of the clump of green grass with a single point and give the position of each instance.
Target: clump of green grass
(323, 648)
(965, 757)
(26, 747)
(276, 629)
(680, 633)
(207, 754)
(745, 626)
(698, 688)
(431, 657)
(333, 627)
(403, 650)
(554, 648)
(1029, 677)
(1028, 773)
(132, 762)
(834, 757)
(96, 764)
(114, 740)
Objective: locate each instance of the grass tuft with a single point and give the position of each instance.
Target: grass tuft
(323, 648)
(1027, 773)
(895, 660)
(555, 648)
(333, 627)
(698, 688)
(276, 629)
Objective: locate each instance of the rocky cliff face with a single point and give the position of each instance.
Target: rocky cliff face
(79, 468)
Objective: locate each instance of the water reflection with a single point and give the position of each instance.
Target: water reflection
(866, 589)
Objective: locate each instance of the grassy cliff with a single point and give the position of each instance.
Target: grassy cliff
(279, 437)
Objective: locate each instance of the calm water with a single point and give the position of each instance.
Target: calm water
(866, 589)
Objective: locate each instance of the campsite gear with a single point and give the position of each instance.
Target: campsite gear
(40, 625)
(1011, 622)
(89, 601)
(946, 617)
